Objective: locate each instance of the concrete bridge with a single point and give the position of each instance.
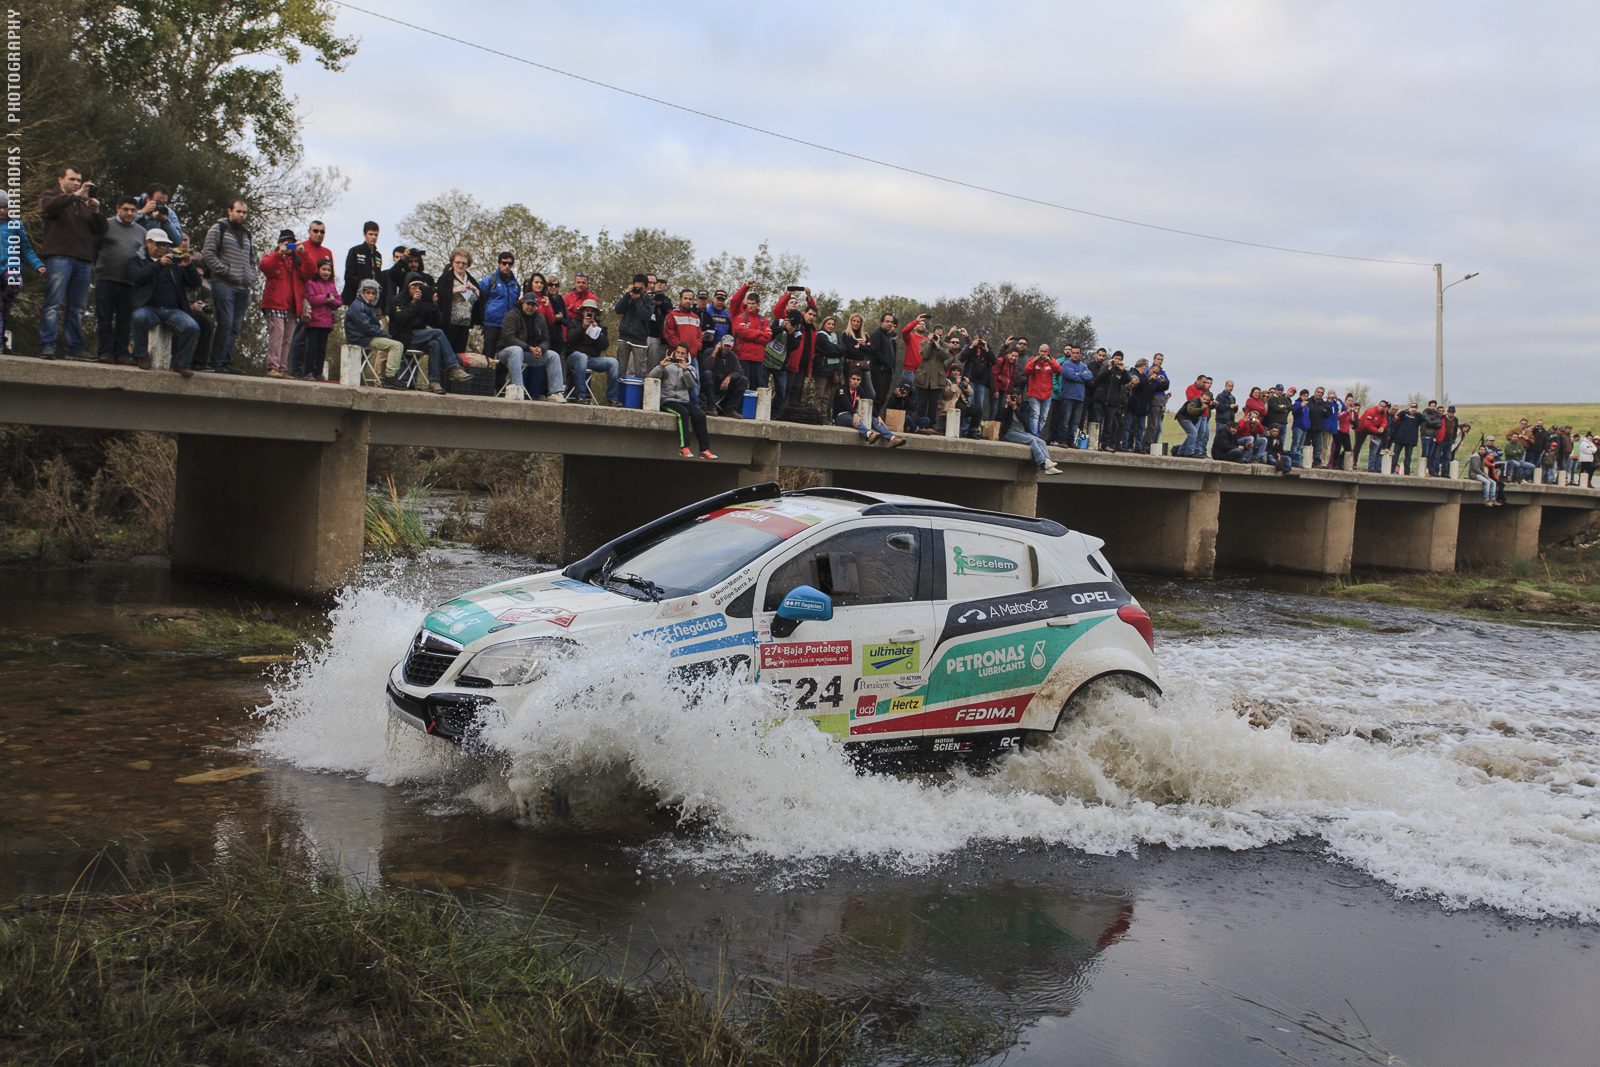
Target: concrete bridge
(271, 479)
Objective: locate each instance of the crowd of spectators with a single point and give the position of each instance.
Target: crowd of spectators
(707, 348)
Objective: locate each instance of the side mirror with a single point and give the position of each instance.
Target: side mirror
(803, 603)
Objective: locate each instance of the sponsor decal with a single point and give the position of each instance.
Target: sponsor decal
(899, 657)
(1004, 711)
(531, 614)
(803, 603)
(991, 661)
(688, 629)
(902, 683)
(780, 526)
(678, 608)
(965, 564)
(575, 585)
(972, 615)
(951, 744)
(781, 657)
(1025, 608)
(1096, 597)
(866, 707)
(905, 705)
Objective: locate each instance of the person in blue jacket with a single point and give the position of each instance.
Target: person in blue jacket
(20, 259)
(1070, 383)
(1302, 423)
(500, 293)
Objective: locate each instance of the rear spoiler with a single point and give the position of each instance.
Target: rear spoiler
(596, 561)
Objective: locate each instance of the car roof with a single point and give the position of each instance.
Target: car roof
(875, 504)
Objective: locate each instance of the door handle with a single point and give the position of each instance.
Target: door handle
(905, 635)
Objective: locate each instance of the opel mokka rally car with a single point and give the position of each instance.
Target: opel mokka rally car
(903, 626)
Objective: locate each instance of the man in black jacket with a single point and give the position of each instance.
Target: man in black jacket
(362, 262)
(728, 379)
(161, 283)
(636, 306)
(416, 322)
(881, 354)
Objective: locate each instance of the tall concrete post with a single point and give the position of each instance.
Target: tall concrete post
(288, 515)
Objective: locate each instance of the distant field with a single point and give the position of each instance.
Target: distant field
(1498, 418)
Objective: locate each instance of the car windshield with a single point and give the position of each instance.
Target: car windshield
(696, 557)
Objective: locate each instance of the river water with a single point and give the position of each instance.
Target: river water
(1370, 839)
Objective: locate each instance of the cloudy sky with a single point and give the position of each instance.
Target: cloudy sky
(1464, 134)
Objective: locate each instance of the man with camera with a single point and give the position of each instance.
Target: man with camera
(70, 218)
(155, 210)
(636, 306)
(162, 278)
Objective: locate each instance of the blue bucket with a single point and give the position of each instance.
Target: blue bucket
(633, 392)
(749, 411)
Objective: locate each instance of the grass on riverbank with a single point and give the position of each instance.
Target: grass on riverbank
(252, 964)
(1561, 584)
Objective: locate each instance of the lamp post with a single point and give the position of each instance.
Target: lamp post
(1438, 326)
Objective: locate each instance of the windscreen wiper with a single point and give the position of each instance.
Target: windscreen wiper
(644, 585)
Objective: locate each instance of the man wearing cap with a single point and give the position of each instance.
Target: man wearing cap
(280, 301)
(363, 326)
(587, 343)
(417, 321)
(636, 306)
(363, 261)
(161, 282)
(716, 317)
(524, 340)
(728, 379)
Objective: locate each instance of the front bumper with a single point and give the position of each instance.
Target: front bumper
(456, 717)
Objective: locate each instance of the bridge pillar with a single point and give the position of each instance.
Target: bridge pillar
(1309, 532)
(1562, 524)
(1406, 535)
(603, 497)
(287, 515)
(1154, 531)
(1498, 535)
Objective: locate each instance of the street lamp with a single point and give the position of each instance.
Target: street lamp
(1438, 327)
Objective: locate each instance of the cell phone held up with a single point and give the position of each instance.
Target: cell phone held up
(794, 288)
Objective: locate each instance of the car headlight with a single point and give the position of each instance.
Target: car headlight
(514, 662)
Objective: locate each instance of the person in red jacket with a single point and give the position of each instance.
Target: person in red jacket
(311, 256)
(1372, 425)
(801, 363)
(751, 332)
(1041, 370)
(579, 293)
(913, 333)
(682, 326)
(280, 300)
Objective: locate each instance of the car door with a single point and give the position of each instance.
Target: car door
(861, 672)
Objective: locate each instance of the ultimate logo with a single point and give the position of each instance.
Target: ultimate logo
(966, 564)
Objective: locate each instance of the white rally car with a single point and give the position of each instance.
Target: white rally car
(900, 625)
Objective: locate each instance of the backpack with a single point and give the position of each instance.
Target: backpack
(777, 352)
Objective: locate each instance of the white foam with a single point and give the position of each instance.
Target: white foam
(1482, 793)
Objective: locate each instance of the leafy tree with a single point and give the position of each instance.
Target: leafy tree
(612, 262)
(769, 274)
(1003, 310)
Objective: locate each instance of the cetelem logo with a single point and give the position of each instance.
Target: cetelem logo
(966, 564)
(897, 658)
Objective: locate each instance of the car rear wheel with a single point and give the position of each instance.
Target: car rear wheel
(1091, 693)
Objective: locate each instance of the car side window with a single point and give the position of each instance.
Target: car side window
(875, 565)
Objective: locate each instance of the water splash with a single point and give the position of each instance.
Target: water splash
(1452, 784)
